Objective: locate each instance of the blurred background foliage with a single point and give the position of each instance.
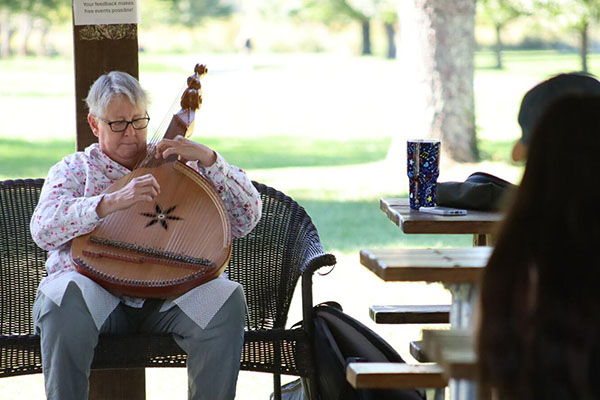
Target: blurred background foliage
(364, 27)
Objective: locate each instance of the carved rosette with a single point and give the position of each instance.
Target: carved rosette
(110, 32)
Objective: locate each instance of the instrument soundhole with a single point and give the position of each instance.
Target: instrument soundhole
(160, 216)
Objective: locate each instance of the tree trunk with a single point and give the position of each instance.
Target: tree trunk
(366, 37)
(44, 48)
(437, 47)
(390, 33)
(583, 51)
(499, 47)
(26, 29)
(4, 33)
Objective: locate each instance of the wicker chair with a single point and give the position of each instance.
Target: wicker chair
(267, 262)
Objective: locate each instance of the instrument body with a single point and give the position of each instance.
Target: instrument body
(164, 248)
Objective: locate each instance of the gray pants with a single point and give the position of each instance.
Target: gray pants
(69, 336)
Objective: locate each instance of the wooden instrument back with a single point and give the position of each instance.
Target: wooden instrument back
(165, 248)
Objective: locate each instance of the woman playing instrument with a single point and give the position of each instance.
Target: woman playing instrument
(71, 310)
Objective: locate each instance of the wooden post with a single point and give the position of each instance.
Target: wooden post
(121, 384)
(99, 49)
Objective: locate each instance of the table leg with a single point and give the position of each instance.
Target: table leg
(483, 240)
(463, 298)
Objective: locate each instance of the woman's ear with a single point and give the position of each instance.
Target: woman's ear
(519, 152)
(93, 123)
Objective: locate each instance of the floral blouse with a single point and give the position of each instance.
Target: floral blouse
(74, 187)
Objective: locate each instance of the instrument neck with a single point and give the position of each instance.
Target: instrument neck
(180, 124)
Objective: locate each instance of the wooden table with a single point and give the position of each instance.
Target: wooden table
(457, 268)
(460, 270)
(481, 224)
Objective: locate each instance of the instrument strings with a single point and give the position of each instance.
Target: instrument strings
(148, 161)
(159, 133)
(177, 242)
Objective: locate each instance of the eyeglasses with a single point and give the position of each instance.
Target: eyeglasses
(121, 126)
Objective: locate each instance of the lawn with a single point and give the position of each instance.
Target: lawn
(318, 127)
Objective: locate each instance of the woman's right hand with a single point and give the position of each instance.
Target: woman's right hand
(141, 188)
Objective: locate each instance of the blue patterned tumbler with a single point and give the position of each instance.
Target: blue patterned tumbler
(423, 162)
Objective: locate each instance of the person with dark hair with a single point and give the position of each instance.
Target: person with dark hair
(482, 191)
(541, 96)
(538, 335)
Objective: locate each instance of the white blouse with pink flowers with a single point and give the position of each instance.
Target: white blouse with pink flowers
(67, 209)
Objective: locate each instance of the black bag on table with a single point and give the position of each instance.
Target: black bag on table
(341, 339)
(480, 191)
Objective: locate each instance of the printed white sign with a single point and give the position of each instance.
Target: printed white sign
(106, 12)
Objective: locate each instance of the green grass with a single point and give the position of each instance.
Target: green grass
(534, 63)
(347, 226)
(21, 158)
(496, 150)
(317, 127)
(285, 151)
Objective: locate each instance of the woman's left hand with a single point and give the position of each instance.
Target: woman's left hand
(187, 150)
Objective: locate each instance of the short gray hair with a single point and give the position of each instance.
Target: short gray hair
(115, 83)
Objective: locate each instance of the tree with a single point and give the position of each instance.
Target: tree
(499, 13)
(191, 13)
(50, 12)
(7, 8)
(31, 14)
(389, 16)
(341, 11)
(436, 50)
(353, 11)
(576, 15)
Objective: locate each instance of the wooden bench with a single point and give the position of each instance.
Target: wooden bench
(449, 266)
(268, 262)
(367, 375)
(410, 314)
(455, 265)
(453, 350)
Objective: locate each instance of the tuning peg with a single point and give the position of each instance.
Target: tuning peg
(200, 69)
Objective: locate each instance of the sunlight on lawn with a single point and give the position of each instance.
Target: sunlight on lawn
(287, 103)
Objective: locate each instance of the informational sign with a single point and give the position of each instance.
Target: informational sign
(106, 12)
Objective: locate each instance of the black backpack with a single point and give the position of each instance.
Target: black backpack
(341, 339)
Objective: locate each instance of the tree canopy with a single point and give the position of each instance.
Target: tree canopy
(573, 14)
(191, 13)
(498, 14)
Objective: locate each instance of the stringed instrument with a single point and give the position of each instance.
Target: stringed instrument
(164, 248)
